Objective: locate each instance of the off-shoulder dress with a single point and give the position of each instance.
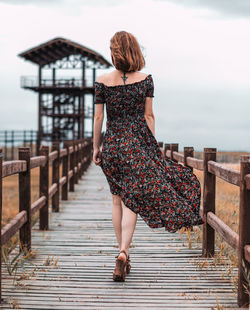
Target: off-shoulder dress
(164, 193)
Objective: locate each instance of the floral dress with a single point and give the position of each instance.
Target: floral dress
(164, 193)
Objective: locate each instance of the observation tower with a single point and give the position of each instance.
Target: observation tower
(65, 102)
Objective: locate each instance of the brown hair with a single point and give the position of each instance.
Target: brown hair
(126, 53)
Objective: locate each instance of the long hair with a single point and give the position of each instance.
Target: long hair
(126, 53)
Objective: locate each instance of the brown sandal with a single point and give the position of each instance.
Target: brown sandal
(120, 270)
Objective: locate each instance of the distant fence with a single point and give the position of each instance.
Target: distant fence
(211, 169)
(11, 139)
(75, 156)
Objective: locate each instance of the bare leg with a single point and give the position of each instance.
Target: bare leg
(117, 218)
(129, 219)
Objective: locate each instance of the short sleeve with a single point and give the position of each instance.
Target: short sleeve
(150, 87)
(99, 93)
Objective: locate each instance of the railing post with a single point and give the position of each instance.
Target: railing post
(76, 160)
(244, 230)
(188, 152)
(80, 159)
(24, 200)
(44, 189)
(1, 186)
(89, 152)
(84, 159)
(72, 165)
(160, 144)
(166, 147)
(65, 171)
(209, 182)
(55, 176)
(173, 148)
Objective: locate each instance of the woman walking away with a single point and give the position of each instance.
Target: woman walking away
(141, 181)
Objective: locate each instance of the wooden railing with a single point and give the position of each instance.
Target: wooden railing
(75, 157)
(211, 169)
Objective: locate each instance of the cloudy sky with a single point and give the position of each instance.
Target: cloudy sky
(196, 50)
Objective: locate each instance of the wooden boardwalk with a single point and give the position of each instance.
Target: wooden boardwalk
(75, 260)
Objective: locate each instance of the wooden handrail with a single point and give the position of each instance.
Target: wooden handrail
(13, 226)
(52, 190)
(195, 163)
(178, 156)
(13, 167)
(231, 237)
(37, 161)
(38, 204)
(53, 155)
(227, 174)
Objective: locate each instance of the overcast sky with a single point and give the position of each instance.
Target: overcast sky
(196, 50)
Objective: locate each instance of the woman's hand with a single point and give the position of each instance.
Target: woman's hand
(97, 157)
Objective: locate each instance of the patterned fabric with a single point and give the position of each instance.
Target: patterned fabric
(164, 193)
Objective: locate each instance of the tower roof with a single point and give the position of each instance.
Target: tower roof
(59, 48)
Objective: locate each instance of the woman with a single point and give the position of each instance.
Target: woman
(163, 192)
